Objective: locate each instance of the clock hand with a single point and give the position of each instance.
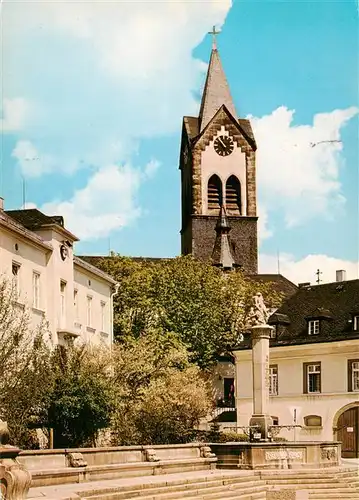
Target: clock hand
(221, 141)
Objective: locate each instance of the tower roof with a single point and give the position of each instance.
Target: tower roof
(222, 255)
(216, 91)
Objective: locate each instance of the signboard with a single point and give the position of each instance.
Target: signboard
(257, 435)
(350, 429)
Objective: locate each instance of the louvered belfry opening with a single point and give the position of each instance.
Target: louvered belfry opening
(233, 195)
(214, 193)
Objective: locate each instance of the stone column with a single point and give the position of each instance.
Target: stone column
(260, 368)
(14, 478)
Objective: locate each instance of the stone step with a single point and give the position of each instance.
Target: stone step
(334, 495)
(247, 494)
(186, 488)
(308, 484)
(176, 492)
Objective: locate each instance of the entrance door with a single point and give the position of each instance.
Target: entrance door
(348, 432)
(228, 386)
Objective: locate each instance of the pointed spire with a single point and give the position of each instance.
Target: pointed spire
(222, 255)
(216, 90)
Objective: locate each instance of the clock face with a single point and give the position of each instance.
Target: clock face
(224, 145)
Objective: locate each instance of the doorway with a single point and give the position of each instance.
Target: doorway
(347, 431)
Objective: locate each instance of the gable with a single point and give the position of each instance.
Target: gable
(240, 130)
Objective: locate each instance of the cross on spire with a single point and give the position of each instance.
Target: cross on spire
(214, 33)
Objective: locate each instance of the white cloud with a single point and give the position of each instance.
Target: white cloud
(263, 230)
(108, 201)
(303, 270)
(15, 114)
(31, 162)
(294, 177)
(104, 75)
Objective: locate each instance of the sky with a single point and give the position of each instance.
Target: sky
(92, 100)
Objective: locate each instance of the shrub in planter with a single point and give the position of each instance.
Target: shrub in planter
(227, 437)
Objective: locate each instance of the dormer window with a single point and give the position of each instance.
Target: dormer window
(356, 322)
(313, 327)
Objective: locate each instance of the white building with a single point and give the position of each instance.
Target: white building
(36, 252)
(313, 366)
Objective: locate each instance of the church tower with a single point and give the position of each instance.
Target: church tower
(217, 163)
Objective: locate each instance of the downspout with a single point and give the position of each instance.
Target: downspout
(117, 286)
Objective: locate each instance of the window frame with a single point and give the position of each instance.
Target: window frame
(315, 323)
(63, 284)
(273, 377)
(76, 303)
(306, 377)
(350, 375)
(89, 299)
(36, 287)
(16, 278)
(103, 316)
(355, 322)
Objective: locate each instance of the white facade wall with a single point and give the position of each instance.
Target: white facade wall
(327, 404)
(52, 270)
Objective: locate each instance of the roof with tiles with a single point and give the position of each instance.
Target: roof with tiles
(13, 225)
(33, 219)
(333, 304)
(216, 92)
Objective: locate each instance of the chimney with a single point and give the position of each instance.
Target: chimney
(341, 275)
(1, 203)
(304, 285)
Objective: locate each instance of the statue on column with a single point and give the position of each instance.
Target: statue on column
(258, 313)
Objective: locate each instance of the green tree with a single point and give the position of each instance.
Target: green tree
(81, 399)
(26, 376)
(159, 396)
(205, 308)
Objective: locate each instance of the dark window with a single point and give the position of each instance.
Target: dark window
(214, 193)
(353, 375)
(228, 390)
(312, 377)
(275, 420)
(233, 194)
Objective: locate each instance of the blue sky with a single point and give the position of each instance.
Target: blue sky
(93, 96)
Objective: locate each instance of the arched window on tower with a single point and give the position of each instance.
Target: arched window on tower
(233, 195)
(214, 193)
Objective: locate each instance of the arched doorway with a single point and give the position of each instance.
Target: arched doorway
(346, 429)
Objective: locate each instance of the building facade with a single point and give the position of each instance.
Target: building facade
(313, 375)
(74, 297)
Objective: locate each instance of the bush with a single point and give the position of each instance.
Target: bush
(81, 400)
(231, 436)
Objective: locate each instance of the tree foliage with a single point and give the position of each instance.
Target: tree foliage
(205, 308)
(159, 396)
(26, 377)
(81, 399)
